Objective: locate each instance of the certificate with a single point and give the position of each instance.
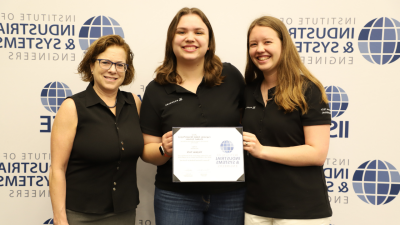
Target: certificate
(207, 154)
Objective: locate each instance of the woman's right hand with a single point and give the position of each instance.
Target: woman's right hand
(166, 142)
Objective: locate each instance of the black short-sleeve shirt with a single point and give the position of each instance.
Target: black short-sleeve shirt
(167, 106)
(276, 190)
(101, 173)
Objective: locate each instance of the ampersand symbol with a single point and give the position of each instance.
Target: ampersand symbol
(71, 44)
(344, 189)
(349, 49)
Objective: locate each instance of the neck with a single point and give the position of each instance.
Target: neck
(107, 96)
(270, 80)
(191, 71)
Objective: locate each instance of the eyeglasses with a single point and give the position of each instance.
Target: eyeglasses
(107, 64)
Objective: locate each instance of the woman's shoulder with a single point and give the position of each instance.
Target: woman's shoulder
(228, 67)
(229, 71)
(154, 86)
(311, 90)
(78, 96)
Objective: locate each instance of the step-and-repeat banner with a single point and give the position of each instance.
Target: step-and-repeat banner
(352, 47)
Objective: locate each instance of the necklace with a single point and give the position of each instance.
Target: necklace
(113, 105)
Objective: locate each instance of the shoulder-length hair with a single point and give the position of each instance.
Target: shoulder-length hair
(98, 47)
(167, 74)
(293, 77)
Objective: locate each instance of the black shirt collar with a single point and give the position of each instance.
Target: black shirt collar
(257, 91)
(170, 88)
(92, 98)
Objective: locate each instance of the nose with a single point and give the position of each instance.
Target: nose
(260, 48)
(190, 37)
(113, 68)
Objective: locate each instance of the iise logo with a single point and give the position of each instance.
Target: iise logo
(338, 103)
(376, 182)
(52, 96)
(379, 41)
(96, 27)
(227, 146)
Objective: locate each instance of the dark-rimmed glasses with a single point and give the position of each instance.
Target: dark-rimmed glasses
(107, 64)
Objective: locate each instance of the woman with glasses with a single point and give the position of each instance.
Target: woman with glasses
(192, 88)
(96, 141)
(287, 123)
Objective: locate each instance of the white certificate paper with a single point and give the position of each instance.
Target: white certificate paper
(208, 154)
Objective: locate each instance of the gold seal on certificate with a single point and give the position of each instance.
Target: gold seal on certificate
(208, 154)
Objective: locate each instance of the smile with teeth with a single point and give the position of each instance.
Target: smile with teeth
(263, 57)
(110, 78)
(189, 47)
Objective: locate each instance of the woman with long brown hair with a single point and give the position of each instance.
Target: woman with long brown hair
(192, 88)
(287, 123)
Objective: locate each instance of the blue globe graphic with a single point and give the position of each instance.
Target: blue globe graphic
(96, 27)
(376, 182)
(227, 146)
(53, 94)
(49, 221)
(379, 41)
(338, 100)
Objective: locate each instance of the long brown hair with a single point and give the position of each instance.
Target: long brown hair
(166, 73)
(293, 77)
(98, 47)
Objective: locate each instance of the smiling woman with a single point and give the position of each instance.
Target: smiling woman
(192, 88)
(287, 133)
(96, 141)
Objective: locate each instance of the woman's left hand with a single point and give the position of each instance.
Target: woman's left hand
(252, 145)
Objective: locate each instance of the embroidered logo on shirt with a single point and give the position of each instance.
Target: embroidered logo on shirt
(178, 100)
(250, 107)
(325, 111)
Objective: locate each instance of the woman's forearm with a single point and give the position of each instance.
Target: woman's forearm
(151, 154)
(58, 194)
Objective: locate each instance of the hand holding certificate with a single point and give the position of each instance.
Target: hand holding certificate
(208, 154)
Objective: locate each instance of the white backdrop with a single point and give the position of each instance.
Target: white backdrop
(28, 64)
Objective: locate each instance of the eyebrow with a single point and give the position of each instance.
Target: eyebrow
(116, 61)
(184, 28)
(262, 39)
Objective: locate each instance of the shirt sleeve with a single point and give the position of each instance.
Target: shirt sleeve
(150, 114)
(318, 111)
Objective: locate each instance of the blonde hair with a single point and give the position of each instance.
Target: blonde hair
(293, 76)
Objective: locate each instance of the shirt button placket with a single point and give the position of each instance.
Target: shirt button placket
(119, 162)
(203, 118)
(261, 120)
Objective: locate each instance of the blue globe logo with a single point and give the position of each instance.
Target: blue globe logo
(227, 146)
(376, 182)
(379, 41)
(338, 100)
(96, 27)
(53, 94)
(49, 221)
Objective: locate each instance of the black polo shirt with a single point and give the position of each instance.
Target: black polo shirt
(167, 106)
(276, 190)
(101, 173)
